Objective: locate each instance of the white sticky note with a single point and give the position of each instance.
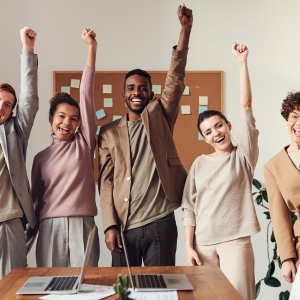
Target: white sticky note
(100, 113)
(75, 83)
(108, 102)
(186, 90)
(185, 109)
(65, 89)
(107, 88)
(203, 100)
(156, 89)
(116, 117)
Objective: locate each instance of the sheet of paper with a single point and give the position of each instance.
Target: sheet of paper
(186, 91)
(75, 83)
(203, 100)
(295, 291)
(87, 291)
(202, 108)
(100, 113)
(116, 117)
(185, 109)
(200, 137)
(167, 295)
(107, 88)
(108, 102)
(156, 89)
(65, 89)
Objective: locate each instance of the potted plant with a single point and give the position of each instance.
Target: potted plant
(261, 199)
(121, 287)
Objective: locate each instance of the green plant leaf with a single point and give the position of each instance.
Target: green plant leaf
(272, 237)
(254, 193)
(275, 255)
(272, 281)
(258, 199)
(271, 269)
(279, 263)
(256, 183)
(257, 289)
(267, 215)
(284, 295)
(265, 194)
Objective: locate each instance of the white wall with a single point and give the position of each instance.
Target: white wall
(140, 34)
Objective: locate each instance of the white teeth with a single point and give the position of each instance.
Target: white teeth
(297, 129)
(220, 139)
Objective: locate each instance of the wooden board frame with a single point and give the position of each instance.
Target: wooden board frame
(200, 83)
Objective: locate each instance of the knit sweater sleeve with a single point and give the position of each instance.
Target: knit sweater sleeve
(189, 198)
(87, 107)
(248, 138)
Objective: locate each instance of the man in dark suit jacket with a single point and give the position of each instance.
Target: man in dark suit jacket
(15, 200)
(141, 176)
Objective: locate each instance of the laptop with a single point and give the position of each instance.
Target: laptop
(59, 284)
(155, 282)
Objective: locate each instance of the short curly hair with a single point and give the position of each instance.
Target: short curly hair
(138, 72)
(291, 102)
(59, 98)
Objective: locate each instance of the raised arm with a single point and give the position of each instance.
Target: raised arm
(174, 87)
(28, 101)
(89, 37)
(87, 107)
(240, 51)
(185, 16)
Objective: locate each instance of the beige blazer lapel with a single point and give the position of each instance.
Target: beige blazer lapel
(145, 119)
(287, 164)
(4, 144)
(124, 139)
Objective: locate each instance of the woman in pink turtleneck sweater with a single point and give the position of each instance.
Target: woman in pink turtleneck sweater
(63, 188)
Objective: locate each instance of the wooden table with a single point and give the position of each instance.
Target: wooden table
(209, 282)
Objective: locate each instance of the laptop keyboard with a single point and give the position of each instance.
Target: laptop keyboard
(151, 281)
(61, 284)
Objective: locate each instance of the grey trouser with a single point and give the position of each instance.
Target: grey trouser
(61, 242)
(154, 244)
(12, 246)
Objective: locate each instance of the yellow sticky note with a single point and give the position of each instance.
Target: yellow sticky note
(185, 109)
(65, 89)
(156, 89)
(203, 100)
(186, 91)
(75, 83)
(107, 88)
(108, 102)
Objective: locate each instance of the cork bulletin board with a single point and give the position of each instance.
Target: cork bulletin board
(204, 90)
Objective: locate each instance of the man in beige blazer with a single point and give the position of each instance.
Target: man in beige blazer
(141, 176)
(15, 200)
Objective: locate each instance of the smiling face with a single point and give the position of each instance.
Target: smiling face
(64, 121)
(7, 101)
(217, 133)
(137, 94)
(293, 124)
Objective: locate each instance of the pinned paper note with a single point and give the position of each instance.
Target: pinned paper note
(186, 90)
(75, 83)
(200, 137)
(98, 129)
(202, 108)
(116, 117)
(108, 102)
(107, 88)
(100, 113)
(203, 100)
(185, 109)
(65, 89)
(156, 89)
